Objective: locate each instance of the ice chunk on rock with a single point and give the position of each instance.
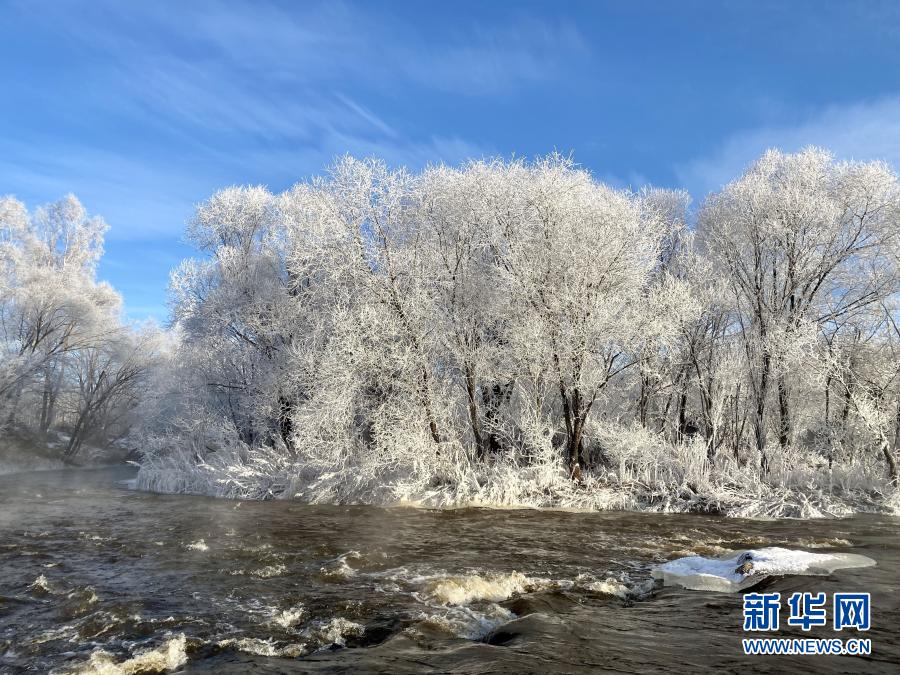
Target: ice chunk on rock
(741, 570)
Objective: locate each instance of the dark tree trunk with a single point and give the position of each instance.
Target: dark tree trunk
(473, 410)
(426, 404)
(848, 400)
(760, 421)
(75, 440)
(644, 398)
(891, 462)
(576, 445)
(575, 416)
(285, 419)
(493, 398)
(45, 410)
(679, 376)
(784, 413)
(682, 413)
(738, 428)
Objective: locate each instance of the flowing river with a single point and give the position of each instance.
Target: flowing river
(98, 578)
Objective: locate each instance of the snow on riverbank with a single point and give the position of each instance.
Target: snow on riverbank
(737, 492)
(745, 569)
(21, 453)
(18, 465)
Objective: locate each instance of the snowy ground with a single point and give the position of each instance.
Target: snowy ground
(732, 490)
(19, 453)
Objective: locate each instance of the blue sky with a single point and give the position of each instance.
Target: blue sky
(143, 109)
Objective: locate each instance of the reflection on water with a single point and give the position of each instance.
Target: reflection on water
(96, 577)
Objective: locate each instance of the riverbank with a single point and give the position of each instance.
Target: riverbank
(23, 452)
(725, 488)
(18, 454)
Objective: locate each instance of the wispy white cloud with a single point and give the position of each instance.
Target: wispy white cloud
(209, 94)
(315, 43)
(139, 199)
(496, 61)
(864, 131)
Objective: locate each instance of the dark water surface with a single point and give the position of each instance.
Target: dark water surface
(95, 576)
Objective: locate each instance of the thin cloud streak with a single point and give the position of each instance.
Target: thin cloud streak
(245, 93)
(862, 131)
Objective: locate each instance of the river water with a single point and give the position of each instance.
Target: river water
(96, 577)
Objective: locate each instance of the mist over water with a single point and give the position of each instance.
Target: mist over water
(98, 578)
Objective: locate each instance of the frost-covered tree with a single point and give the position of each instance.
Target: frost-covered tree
(459, 226)
(802, 239)
(51, 303)
(499, 328)
(439, 293)
(53, 315)
(577, 261)
(233, 307)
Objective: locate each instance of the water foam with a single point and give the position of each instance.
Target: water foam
(338, 569)
(622, 587)
(269, 571)
(449, 598)
(288, 618)
(610, 586)
(171, 655)
(465, 589)
(269, 647)
(320, 635)
(465, 622)
(334, 632)
(41, 585)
